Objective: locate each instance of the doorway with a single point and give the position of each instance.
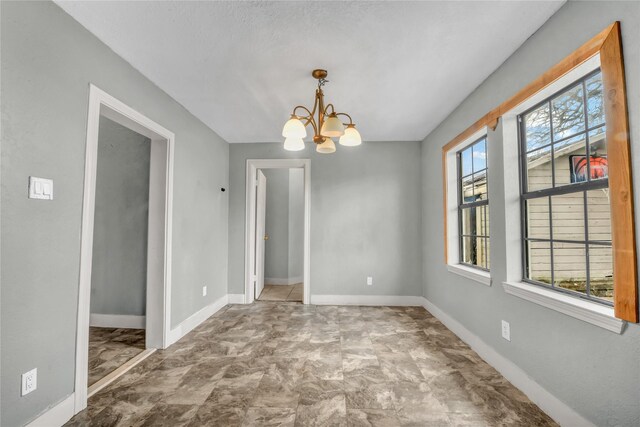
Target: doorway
(280, 235)
(277, 250)
(142, 333)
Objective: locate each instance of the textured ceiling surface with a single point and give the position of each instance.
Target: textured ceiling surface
(399, 68)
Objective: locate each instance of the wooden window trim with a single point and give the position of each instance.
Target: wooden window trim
(608, 44)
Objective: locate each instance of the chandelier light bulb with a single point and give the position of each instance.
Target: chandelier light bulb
(294, 128)
(327, 147)
(351, 137)
(332, 127)
(293, 144)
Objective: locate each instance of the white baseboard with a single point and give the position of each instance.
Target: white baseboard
(56, 415)
(283, 281)
(195, 319)
(550, 404)
(372, 300)
(117, 321)
(236, 298)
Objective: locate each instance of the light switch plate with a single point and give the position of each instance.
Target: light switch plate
(29, 381)
(40, 188)
(204, 291)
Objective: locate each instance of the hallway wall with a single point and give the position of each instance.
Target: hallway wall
(48, 61)
(119, 266)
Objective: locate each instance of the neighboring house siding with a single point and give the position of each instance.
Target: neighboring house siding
(568, 224)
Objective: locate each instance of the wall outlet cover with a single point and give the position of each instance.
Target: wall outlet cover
(506, 330)
(29, 381)
(204, 291)
(369, 280)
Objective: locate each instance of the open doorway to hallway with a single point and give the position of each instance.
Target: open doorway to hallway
(119, 259)
(280, 234)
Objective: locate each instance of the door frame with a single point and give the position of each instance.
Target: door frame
(160, 228)
(250, 215)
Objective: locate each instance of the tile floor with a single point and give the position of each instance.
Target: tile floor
(282, 293)
(303, 365)
(110, 348)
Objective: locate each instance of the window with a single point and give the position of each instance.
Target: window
(473, 205)
(565, 192)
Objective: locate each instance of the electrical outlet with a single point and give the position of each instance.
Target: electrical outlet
(204, 291)
(506, 330)
(29, 381)
(369, 281)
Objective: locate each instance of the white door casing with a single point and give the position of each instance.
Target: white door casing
(261, 212)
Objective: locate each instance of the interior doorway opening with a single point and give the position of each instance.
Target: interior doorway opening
(110, 229)
(279, 265)
(278, 227)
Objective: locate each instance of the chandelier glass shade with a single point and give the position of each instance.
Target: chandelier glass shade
(293, 144)
(351, 137)
(327, 147)
(324, 120)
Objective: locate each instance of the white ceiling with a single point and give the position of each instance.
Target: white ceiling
(399, 68)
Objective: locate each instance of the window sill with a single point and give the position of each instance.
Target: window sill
(580, 309)
(479, 276)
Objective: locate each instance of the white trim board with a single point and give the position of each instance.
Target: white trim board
(57, 414)
(587, 311)
(121, 370)
(236, 299)
(249, 244)
(550, 404)
(370, 300)
(117, 321)
(196, 319)
(159, 236)
(283, 281)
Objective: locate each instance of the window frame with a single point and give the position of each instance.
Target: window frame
(548, 193)
(474, 204)
(608, 46)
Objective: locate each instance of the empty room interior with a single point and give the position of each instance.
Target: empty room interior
(335, 213)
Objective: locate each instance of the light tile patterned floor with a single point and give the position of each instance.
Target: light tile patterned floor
(287, 364)
(110, 348)
(282, 293)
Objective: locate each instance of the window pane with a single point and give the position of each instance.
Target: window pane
(539, 169)
(595, 105)
(570, 266)
(599, 214)
(488, 254)
(538, 128)
(599, 165)
(467, 189)
(480, 186)
(566, 154)
(469, 250)
(539, 262)
(482, 251)
(480, 155)
(601, 271)
(475, 221)
(538, 218)
(465, 162)
(567, 217)
(568, 113)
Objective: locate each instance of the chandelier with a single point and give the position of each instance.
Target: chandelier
(326, 126)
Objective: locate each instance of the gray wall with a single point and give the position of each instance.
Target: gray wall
(296, 223)
(594, 371)
(365, 217)
(119, 266)
(47, 63)
(276, 257)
